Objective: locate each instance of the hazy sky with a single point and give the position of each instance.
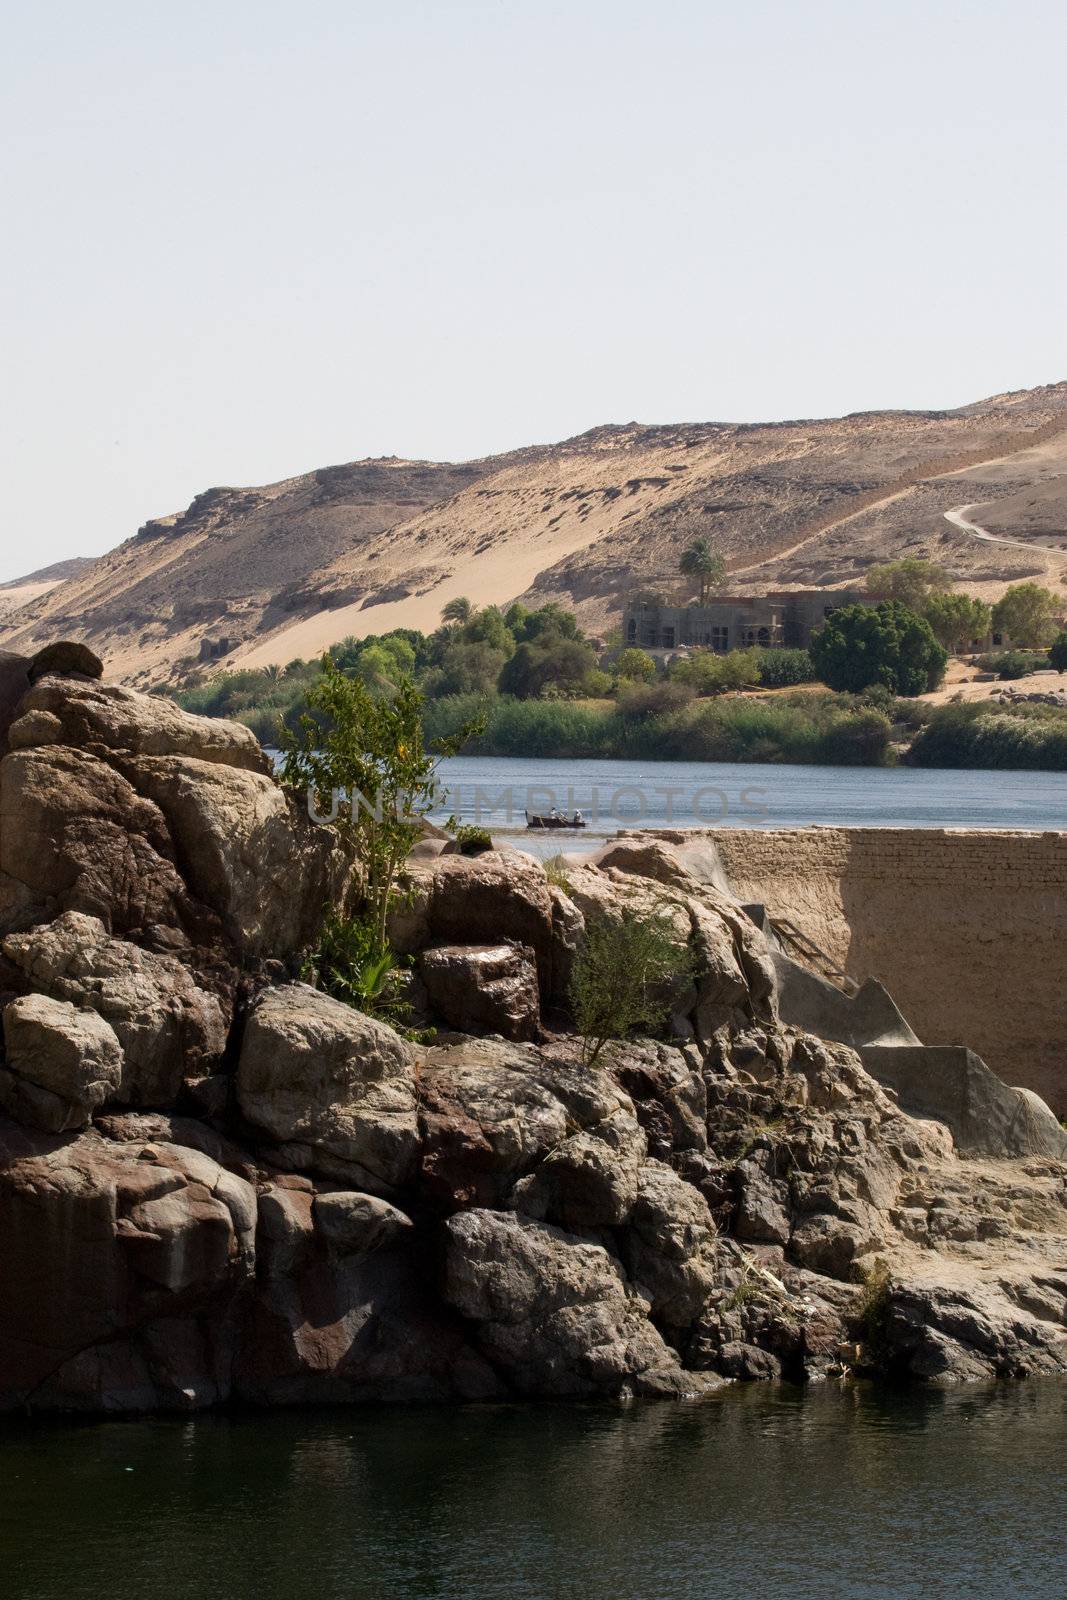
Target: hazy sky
(242, 239)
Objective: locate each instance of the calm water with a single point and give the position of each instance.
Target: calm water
(495, 790)
(842, 1493)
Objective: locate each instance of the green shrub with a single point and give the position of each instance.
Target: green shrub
(1013, 663)
(471, 840)
(886, 644)
(1024, 738)
(624, 977)
(784, 669)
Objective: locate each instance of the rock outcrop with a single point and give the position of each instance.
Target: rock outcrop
(218, 1182)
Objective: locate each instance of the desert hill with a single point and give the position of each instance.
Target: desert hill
(254, 576)
(17, 592)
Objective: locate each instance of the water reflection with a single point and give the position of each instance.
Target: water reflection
(850, 1492)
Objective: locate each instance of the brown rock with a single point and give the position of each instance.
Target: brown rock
(484, 988)
(60, 1063)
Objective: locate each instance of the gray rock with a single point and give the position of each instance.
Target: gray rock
(314, 1071)
(60, 1063)
(350, 1221)
(552, 1312)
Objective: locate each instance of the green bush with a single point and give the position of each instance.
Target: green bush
(784, 669)
(886, 644)
(1013, 663)
(471, 840)
(1024, 737)
(624, 978)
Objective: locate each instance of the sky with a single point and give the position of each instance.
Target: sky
(243, 239)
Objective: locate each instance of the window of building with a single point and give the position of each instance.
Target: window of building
(631, 630)
(720, 639)
(668, 638)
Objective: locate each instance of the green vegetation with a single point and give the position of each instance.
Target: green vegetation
(956, 619)
(363, 756)
(471, 840)
(887, 644)
(624, 977)
(349, 964)
(533, 686)
(910, 580)
(1028, 736)
(1057, 653)
(701, 562)
(1013, 663)
(1029, 614)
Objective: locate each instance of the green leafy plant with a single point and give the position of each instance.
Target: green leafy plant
(701, 562)
(624, 977)
(1028, 614)
(350, 963)
(471, 840)
(888, 644)
(361, 760)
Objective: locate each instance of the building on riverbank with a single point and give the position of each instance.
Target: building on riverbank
(783, 619)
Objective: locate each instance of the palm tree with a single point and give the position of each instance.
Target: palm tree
(458, 610)
(700, 561)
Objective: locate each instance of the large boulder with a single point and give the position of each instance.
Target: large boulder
(670, 1247)
(104, 717)
(484, 988)
(170, 1029)
(479, 900)
(335, 1086)
(75, 835)
(491, 1112)
(246, 850)
(554, 1312)
(122, 1271)
(59, 1064)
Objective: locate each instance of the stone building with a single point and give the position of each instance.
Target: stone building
(784, 619)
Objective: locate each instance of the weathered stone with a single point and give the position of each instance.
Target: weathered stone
(315, 1071)
(351, 1222)
(483, 988)
(169, 1028)
(553, 1312)
(590, 1180)
(60, 1063)
(671, 1246)
(76, 835)
(246, 850)
(484, 899)
(107, 717)
(66, 656)
(122, 1268)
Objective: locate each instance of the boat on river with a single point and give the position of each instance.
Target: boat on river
(535, 819)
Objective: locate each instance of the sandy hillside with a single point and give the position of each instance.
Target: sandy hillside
(255, 576)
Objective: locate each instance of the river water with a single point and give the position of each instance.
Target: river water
(846, 1493)
(496, 790)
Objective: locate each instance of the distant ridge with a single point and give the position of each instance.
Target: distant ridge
(259, 575)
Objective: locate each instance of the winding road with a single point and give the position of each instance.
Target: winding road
(958, 517)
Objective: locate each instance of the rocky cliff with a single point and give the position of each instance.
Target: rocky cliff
(218, 1183)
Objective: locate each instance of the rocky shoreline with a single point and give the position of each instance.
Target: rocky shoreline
(218, 1183)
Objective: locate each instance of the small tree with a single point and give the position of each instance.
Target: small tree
(624, 976)
(1057, 653)
(911, 579)
(362, 755)
(956, 619)
(635, 665)
(459, 610)
(1028, 613)
(888, 644)
(701, 562)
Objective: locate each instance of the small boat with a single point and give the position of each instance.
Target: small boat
(535, 820)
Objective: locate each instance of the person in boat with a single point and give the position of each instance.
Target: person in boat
(554, 814)
(578, 818)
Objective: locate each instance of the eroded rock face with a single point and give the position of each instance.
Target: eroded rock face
(110, 717)
(352, 1216)
(484, 988)
(170, 1029)
(122, 1272)
(555, 1312)
(316, 1073)
(60, 1063)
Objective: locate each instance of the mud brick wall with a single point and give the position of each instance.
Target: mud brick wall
(968, 930)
